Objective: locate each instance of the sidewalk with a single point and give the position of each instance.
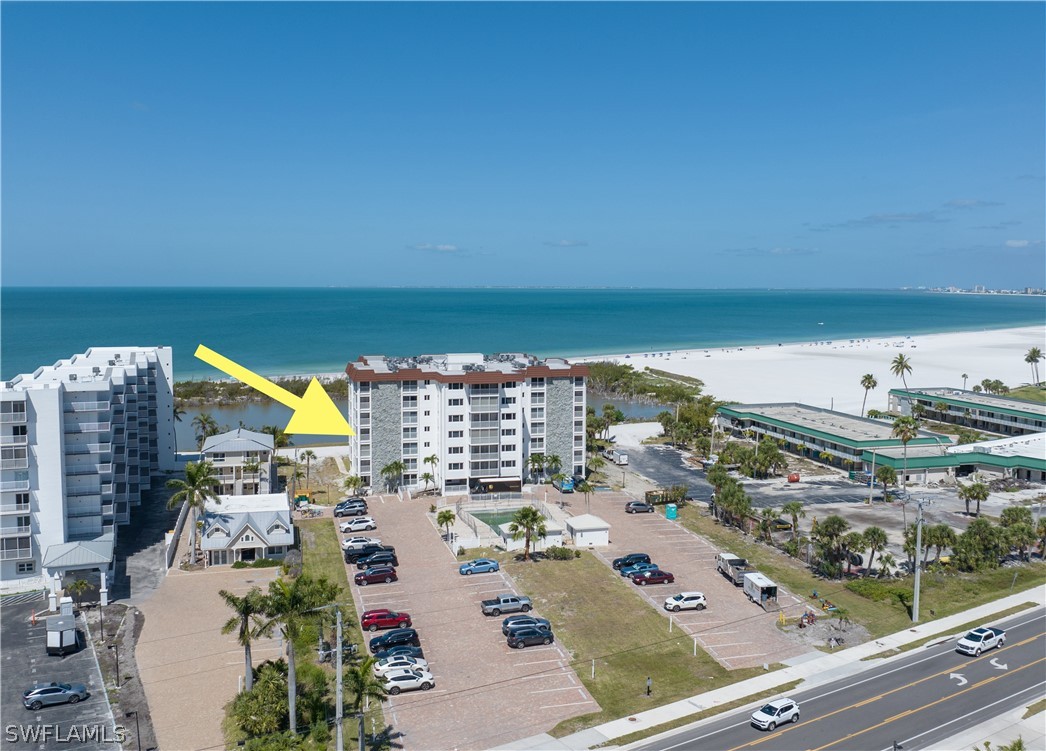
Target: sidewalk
(813, 669)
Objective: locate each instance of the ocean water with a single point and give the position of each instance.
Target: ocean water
(282, 331)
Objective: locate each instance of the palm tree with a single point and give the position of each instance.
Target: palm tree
(766, 523)
(553, 463)
(977, 491)
(446, 518)
(426, 478)
(248, 624)
(363, 685)
(905, 429)
(179, 413)
(829, 535)
(432, 460)
(1032, 358)
(964, 379)
(886, 562)
(852, 542)
(875, 540)
(352, 484)
(797, 511)
(279, 438)
(901, 367)
(527, 524)
(393, 474)
(308, 455)
(287, 606)
(868, 383)
(536, 463)
(205, 426)
(78, 588)
(586, 488)
(887, 476)
(196, 489)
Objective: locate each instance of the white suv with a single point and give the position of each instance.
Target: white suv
(406, 679)
(686, 601)
(776, 713)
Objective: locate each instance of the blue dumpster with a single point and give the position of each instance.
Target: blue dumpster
(670, 511)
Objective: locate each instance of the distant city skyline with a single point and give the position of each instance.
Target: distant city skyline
(676, 145)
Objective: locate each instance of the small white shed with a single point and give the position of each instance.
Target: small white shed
(553, 536)
(588, 530)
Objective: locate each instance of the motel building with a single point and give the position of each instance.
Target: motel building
(990, 413)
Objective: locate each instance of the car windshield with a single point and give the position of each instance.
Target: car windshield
(974, 636)
(769, 709)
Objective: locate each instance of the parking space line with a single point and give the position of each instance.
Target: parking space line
(573, 704)
(536, 662)
(545, 675)
(547, 690)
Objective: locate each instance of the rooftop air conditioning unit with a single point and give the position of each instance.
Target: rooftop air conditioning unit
(112, 362)
(72, 376)
(96, 370)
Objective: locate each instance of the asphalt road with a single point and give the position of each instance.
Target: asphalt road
(918, 701)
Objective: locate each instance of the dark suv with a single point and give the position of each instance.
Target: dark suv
(381, 558)
(356, 554)
(398, 637)
(630, 560)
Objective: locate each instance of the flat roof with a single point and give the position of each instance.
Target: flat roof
(835, 424)
(587, 523)
(463, 367)
(232, 504)
(1031, 446)
(980, 399)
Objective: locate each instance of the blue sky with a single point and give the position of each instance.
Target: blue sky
(681, 145)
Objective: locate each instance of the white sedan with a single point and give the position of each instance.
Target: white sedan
(408, 680)
(686, 601)
(358, 524)
(387, 665)
(352, 543)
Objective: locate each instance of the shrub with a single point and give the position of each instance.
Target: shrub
(461, 550)
(240, 564)
(558, 553)
(266, 563)
(880, 591)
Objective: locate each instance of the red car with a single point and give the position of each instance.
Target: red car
(372, 620)
(374, 575)
(653, 577)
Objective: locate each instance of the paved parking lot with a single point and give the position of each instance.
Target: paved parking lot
(486, 694)
(88, 725)
(734, 631)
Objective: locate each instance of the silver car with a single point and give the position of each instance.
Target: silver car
(45, 694)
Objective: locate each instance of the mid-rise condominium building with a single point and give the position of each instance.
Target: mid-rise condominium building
(81, 440)
(481, 418)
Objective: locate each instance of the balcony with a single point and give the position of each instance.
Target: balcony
(82, 535)
(89, 469)
(86, 407)
(19, 463)
(85, 493)
(14, 485)
(88, 427)
(88, 448)
(83, 511)
(16, 555)
(14, 440)
(15, 531)
(12, 417)
(14, 508)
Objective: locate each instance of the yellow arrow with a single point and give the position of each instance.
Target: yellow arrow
(314, 412)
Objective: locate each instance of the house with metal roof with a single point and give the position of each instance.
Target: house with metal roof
(243, 461)
(991, 413)
(246, 528)
(835, 438)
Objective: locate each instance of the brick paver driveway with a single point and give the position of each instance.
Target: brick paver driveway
(188, 668)
(734, 631)
(486, 694)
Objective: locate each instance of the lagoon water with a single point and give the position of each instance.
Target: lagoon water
(284, 331)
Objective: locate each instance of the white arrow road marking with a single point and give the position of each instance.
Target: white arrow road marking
(962, 681)
(995, 663)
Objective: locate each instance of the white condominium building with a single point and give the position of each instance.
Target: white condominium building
(481, 417)
(81, 440)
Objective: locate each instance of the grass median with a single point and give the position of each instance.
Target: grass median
(599, 617)
(941, 594)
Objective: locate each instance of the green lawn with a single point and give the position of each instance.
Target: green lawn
(944, 594)
(598, 616)
(1032, 393)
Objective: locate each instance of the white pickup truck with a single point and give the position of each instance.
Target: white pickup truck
(981, 640)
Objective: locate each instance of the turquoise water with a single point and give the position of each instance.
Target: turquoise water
(280, 331)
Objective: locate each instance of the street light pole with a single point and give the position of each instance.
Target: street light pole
(137, 727)
(918, 557)
(116, 647)
(338, 695)
(871, 484)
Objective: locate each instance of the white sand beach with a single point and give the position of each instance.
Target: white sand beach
(828, 373)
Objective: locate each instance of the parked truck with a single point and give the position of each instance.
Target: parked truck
(506, 604)
(617, 456)
(760, 589)
(733, 567)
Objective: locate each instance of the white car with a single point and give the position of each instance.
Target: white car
(981, 640)
(358, 524)
(353, 543)
(777, 712)
(399, 662)
(408, 680)
(686, 601)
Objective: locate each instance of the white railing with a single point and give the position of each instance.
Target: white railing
(21, 462)
(14, 440)
(15, 531)
(14, 485)
(87, 427)
(16, 555)
(12, 417)
(14, 508)
(86, 406)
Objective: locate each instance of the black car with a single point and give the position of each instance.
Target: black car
(528, 637)
(398, 637)
(352, 555)
(405, 650)
(638, 507)
(630, 560)
(381, 558)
